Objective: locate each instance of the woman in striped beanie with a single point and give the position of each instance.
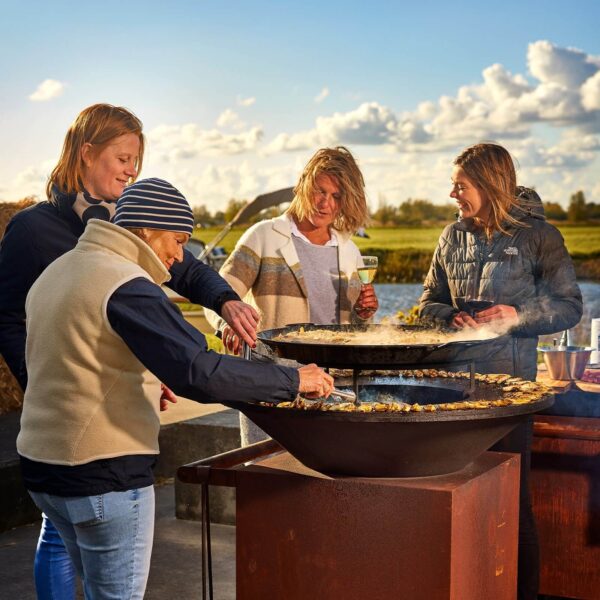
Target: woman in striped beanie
(102, 153)
(101, 336)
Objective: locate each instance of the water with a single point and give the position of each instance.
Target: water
(394, 297)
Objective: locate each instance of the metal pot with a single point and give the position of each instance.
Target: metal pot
(566, 363)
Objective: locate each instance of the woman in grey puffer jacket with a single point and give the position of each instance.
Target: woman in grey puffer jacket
(501, 249)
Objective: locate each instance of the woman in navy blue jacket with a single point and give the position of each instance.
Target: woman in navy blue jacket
(102, 153)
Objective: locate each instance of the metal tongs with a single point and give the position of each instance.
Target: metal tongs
(348, 396)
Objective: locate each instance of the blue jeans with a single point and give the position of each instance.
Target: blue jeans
(53, 568)
(109, 538)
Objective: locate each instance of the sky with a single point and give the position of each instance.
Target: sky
(236, 95)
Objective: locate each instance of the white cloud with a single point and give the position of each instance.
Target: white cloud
(567, 67)
(322, 95)
(47, 90)
(31, 181)
(178, 142)
(214, 185)
(229, 118)
(503, 105)
(590, 93)
(246, 101)
(370, 123)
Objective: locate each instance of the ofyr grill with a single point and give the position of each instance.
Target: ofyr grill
(391, 444)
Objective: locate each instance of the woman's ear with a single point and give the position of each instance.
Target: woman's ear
(86, 154)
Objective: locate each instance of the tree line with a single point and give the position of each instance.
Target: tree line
(410, 212)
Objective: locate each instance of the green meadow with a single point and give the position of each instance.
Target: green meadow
(405, 252)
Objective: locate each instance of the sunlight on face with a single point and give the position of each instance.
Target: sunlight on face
(106, 173)
(326, 200)
(167, 245)
(471, 203)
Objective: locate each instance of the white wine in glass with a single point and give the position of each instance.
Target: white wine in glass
(366, 271)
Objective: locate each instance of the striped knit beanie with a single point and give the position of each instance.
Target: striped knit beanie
(154, 204)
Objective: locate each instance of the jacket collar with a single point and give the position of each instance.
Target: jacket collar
(281, 224)
(117, 240)
(63, 204)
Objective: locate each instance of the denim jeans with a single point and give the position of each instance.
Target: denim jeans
(53, 568)
(109, 538)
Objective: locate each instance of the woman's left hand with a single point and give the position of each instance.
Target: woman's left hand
(166, 396)
(243, 320)
(367, 304)
(501, 314)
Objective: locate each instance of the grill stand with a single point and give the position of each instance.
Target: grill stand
(304, 535)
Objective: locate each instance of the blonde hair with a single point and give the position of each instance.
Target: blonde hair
(340, 164)
(98, 125)
(491, 169)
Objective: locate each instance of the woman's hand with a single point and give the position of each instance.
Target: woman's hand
(231, 341)
(314, 382)
(463, 320)
(500, 314)
(367, 304)
(243, 319)
(166, 396)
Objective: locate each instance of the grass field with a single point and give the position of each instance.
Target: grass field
(580, 241)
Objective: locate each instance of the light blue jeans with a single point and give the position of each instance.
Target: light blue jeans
(109, 538)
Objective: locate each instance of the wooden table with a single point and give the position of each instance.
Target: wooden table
(565, 487)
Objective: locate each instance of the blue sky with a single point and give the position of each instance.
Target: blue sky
(235, 96)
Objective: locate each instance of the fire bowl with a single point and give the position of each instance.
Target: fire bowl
(391, 444)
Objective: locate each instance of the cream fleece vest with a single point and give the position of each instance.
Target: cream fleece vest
(88, 397)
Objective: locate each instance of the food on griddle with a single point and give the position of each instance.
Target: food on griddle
(511, 391)
(380, 336)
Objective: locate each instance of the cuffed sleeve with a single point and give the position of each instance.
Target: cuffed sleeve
(176, 353)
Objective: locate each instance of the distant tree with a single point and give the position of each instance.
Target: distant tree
(386, 214)
(416, 212)
(232, 209)
(577, 210)
(202, 216)
(593, 210)
(554, 211)
(219, 218)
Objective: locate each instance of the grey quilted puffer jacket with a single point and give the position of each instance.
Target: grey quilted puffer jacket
(529, 269)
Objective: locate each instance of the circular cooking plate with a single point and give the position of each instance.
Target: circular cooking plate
(376, 356)
(414, 391)
(392, 444)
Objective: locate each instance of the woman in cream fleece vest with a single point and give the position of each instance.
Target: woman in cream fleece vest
(302, 267)
(101, 336)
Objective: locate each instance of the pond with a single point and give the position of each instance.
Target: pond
(402, 296)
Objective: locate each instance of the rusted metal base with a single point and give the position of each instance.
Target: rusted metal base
(303, 535)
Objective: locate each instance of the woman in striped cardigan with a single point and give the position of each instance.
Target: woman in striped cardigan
(302, 266)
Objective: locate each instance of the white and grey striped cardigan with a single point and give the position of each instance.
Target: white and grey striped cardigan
(264, 269)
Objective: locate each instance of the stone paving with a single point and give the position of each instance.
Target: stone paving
(175, 571)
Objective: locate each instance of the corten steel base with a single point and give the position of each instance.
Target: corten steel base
(565, 489)
(304, 535)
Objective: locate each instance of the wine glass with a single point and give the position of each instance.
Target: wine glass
(475, 299)
(367, 268)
